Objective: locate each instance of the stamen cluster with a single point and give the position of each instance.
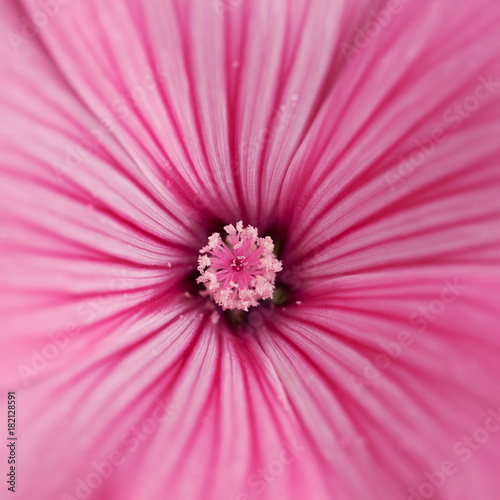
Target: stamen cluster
(242, 270)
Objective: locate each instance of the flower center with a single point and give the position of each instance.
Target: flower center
(238, 263)
(242, 270)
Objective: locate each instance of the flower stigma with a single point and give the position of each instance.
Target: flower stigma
(239, 271)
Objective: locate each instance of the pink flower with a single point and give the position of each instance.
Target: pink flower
(362, 138)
